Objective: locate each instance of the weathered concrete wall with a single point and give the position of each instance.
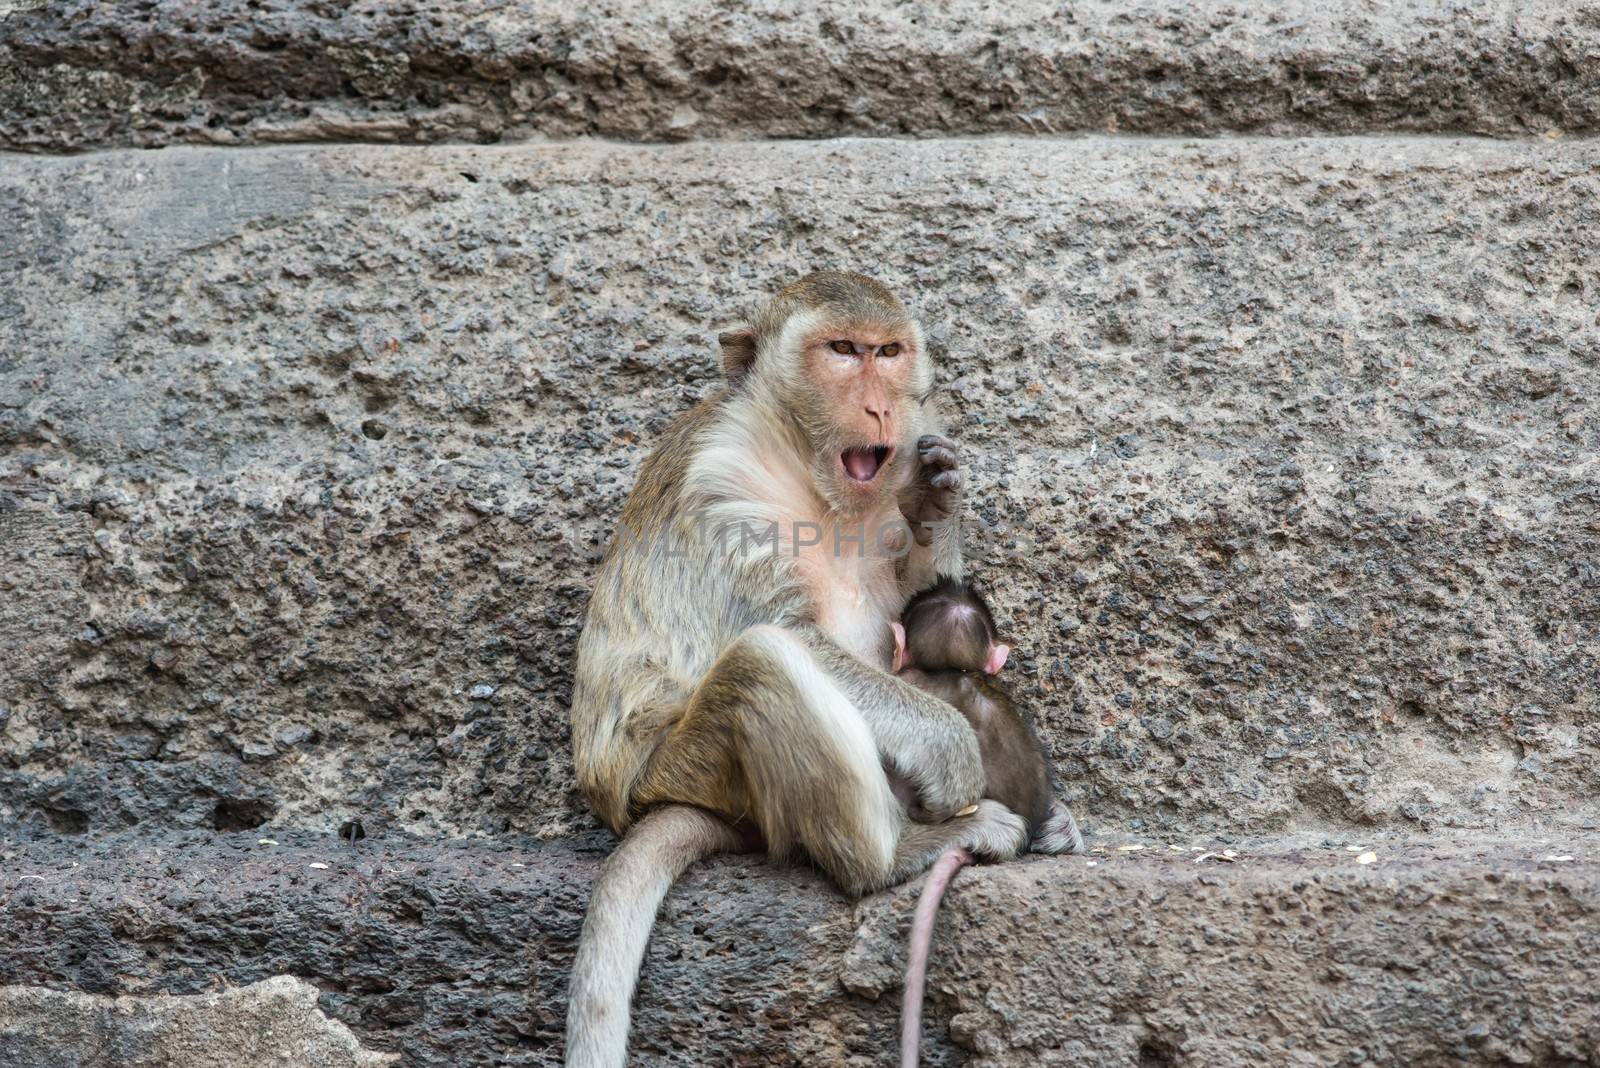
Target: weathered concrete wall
(1449, 953)
(84, 73)
(306, 457)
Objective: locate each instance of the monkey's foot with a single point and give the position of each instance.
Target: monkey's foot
(993, 832)
(1059, 832)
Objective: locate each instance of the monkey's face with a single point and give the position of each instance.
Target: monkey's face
(860, 374)
(836, 354)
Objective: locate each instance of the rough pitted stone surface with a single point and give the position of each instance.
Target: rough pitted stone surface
(1457, 952)
(275, 1021)
(85, 73)
(1439, 954)
(1284, 453)
(450, 954)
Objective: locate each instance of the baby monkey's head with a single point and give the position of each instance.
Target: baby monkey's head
(947, 627)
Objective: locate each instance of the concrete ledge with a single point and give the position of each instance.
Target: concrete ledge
(85, 74)
(1292, 952)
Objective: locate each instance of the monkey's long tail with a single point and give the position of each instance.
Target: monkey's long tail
(622, 909)
(939, 876)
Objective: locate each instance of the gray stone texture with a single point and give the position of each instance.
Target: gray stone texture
(1453, 952)
(1282, 457)
(1283, 461)
(84, 73)
(273, 1022)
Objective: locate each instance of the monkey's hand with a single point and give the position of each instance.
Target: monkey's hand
(925, 740)
(935, 488)
(944, 767)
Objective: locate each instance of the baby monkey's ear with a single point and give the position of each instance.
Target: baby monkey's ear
(899, 646)
(997, 658)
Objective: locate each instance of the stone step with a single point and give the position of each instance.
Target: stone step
(86, 73)
(1464, 951)
(307, 456)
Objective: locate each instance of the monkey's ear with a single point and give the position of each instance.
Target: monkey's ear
(899, 646)
(997, 658)
(738, 353)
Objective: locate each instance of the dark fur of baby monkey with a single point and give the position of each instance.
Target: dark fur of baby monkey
(947, 645)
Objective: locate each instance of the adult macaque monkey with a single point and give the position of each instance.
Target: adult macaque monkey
(731, 689)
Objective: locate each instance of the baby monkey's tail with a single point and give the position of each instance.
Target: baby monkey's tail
(939, 876)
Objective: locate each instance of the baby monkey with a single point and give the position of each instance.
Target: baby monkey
(946, 645)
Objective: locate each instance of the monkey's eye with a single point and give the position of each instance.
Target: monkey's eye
(843, 348)
(891, 350)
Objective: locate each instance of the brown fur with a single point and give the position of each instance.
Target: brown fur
(949, 638)
(753, 687)
(1013, 767)
(948, 627)
(948, 634)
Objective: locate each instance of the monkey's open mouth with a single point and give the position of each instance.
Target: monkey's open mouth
(863, 462)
